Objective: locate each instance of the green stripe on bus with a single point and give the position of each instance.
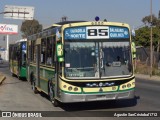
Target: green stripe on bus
(96, 92)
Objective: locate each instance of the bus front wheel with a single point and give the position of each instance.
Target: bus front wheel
(51, 96)
(18, 76)
(13, 75)
(55, 103)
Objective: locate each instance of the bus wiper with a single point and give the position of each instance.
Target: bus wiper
(101, 57)
(101, 62)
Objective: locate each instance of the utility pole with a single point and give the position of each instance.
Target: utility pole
(159, 34)
(7, 48)
(151, 48)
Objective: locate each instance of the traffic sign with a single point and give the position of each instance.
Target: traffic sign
(18, 12)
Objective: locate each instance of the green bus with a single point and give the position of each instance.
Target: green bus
(17, 58)
(78, 61)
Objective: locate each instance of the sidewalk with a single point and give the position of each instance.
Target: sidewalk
(147, 77)
(2, 78)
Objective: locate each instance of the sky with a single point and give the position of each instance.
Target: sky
(48, 12)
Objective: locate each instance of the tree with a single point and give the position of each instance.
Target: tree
(30, 27)
(143, 34)
(147, 20)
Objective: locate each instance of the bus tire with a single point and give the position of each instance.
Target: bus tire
(34, 87)
(31, 78)
(55, 103)
(13, 75)
(51, 97)
(19, 77)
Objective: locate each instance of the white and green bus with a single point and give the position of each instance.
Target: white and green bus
(81, 61)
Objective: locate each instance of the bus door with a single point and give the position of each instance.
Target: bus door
(37, 65)
(19, 58)
(28, 60)
(58, 71)
(23, 54)
(57, 80)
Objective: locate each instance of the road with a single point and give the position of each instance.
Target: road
(17, 95)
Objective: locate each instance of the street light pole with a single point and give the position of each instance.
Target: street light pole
(151, 49)
(7, 53)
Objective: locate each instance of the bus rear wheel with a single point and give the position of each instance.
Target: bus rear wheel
(34, 87)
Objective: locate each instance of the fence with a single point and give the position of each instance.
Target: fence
(143, 61)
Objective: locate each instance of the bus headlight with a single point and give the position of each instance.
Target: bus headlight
(69, 88)
(113, 88)
(124, 86)
(64, 86)
(128, 85)
(75, 89)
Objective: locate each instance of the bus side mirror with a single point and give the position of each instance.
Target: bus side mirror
(59, 51)
(133, 47)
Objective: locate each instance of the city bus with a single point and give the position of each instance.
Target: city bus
(78, 61)
(17, 58)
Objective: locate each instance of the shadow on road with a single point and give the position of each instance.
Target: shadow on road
(97, 105)
(111, 104)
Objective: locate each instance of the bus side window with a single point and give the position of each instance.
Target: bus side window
(17, 53)
(53, 50)
(43, 51)
(35, 53)
(49, 51)
(29, 53)
(32, 50)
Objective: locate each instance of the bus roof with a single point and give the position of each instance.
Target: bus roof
(52, 29)
(61, 23)
(22, 40)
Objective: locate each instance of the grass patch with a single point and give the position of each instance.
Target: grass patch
(142, 68)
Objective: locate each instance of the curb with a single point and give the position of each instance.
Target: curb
(2, 79)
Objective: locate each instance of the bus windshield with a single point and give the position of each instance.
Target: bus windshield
(97, 59)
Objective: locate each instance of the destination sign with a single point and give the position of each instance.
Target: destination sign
(96, 32)
(118, 32)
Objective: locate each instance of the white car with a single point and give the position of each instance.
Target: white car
(1, 61)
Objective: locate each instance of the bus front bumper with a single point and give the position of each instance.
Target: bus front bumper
(69, 98)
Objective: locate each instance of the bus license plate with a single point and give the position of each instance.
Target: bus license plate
(101, 97)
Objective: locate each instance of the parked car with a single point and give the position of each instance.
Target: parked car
(1, 61)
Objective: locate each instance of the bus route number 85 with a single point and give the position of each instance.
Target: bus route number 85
(97, 32)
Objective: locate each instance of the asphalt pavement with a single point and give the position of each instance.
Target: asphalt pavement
(17, 95)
